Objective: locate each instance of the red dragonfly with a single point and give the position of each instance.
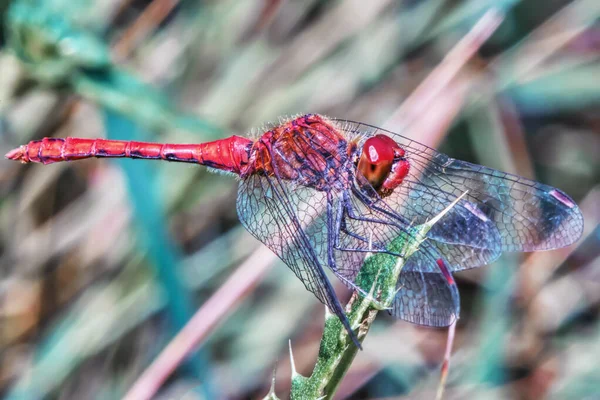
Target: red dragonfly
(323, 192)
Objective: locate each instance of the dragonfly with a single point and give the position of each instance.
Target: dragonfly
(326, 193)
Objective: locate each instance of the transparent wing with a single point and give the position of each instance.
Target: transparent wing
(465, 239)
(528, 215)
(278, 217)
(294, 223)
(277, 214)
(465, 236)
(425, 298)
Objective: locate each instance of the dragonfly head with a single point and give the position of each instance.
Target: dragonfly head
(382, 164)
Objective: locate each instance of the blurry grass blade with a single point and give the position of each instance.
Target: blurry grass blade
(239, 75)
(578, 292)
(49, 44)
(578, 353)
(468, 12)
(88, 329)
(234, 290)
(311, 44)
(77, 338)
(446, 363)
(283, 308)
(556, 89)
(432, 87)
(500, 282)
(149, 20)
(492, 142)
(56, 50)
(268, 11)
(226, 250)
(528, 55)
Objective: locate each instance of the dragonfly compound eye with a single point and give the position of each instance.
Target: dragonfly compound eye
(382, 163)
(376, 160)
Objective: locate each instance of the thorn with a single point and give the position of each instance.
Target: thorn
(292, 363)
(272, 390)
(376, 304)
(412, 223)
(435, 219)
(271, 395)
(328, 313)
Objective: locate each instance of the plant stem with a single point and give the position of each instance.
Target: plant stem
(376, 289)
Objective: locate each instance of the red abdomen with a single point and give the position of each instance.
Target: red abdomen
(229, 154)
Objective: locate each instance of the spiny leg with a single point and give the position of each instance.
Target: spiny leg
(334, 221)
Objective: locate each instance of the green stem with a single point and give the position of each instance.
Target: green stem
(376, 289)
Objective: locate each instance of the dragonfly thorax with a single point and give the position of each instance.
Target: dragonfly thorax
(382, 164)
(308, 150)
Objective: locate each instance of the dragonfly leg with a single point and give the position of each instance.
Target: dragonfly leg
(342, 227)
(331, 262)
(314, 276)
(393, 217)
(335, 221)
(350, 213)
(370, 247)
(353, 215)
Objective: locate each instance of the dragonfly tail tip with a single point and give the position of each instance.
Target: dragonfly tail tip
(16, 154)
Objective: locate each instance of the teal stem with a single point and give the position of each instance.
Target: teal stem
(500, 282)
(154, 239)
(123, 93)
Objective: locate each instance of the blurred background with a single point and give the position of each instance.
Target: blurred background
(103, 261)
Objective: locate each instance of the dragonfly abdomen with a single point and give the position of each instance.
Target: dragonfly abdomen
(229, 154)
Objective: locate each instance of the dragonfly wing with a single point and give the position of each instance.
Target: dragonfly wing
(464, 235)
(280, 216)
(425, 298)
(529, 215)
(268, 210)
(466, 242)
(289, 221)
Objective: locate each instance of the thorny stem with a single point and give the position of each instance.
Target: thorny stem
(377, 278)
